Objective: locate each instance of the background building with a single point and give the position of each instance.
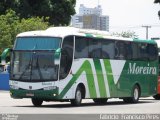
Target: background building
(91, 18)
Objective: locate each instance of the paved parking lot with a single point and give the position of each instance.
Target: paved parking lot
(24, 106)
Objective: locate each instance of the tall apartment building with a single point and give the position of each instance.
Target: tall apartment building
(91, 18)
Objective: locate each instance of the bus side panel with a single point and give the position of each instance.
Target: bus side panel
(109, 78)
(158, 88)
(96, 75)
(152, 78)
(142, 73)
(125, 81)
(81, 72)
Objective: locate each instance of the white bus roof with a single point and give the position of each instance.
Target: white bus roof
(61, 32)
(65, 31)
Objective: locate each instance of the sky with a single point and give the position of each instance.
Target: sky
(129, 15)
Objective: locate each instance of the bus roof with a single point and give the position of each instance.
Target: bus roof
(65, 31)
(62, 32)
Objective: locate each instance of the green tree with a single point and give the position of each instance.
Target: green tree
(157, 1)
(6, 4)
(11, 25)
(58, 11)
(126, 34)
(31, 24)
(7, 29)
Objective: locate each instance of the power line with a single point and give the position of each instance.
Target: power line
(135, 27)
(131, 27)
(98, 3)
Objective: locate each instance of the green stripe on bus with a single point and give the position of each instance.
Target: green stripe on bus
(110, 78)
(99, 36)
(100, 78)
(88, 35)
(86, 67)
(144, 41)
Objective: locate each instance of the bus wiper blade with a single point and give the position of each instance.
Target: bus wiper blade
(24, 71)
(28, 66)
(40, 73)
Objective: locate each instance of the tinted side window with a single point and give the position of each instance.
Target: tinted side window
(152, 52)
(108, 49)
(95, 48)
(144, 51)
(139, 51)
(143, 55)
(81, 47)
(121, 52)
(129, 50)
(66, 56)
(135, 51)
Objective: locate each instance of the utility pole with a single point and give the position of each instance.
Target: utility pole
(146, 26)
(98, 2)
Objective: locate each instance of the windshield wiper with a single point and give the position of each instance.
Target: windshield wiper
(28, 66)
(39, 71)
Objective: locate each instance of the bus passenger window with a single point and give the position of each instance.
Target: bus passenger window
(66, 57)
(108, 49)
(141, 51)
(129, 51)
(81, 47)
(95, 48)
(152, 52)
(120, 50)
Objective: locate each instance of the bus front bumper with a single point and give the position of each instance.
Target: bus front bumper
(39, 94)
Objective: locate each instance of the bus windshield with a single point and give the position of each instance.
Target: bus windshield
(37, 43)
(33, 59)
(34, 66)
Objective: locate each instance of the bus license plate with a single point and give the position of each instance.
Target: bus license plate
(30, 94)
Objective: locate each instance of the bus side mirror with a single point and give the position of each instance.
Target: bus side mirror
(4, 55)
(11, 50)
(57, 56)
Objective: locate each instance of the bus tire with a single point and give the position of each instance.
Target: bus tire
(78, 97)
(156, 97)
(135, 95)
(100, 100)
(37, 102)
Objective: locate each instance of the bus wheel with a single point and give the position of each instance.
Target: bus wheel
(37, 102)
(135, 95)
(156, 97)
(78, 98)
(100, 100)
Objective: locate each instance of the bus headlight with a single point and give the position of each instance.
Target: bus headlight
(50, 88)
(54, 95)
(14, 87)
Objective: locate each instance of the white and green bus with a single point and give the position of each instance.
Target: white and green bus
(71, 64)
